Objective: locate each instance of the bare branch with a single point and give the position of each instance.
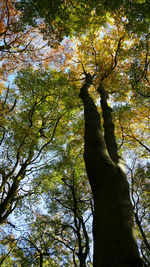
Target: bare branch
(141, 231)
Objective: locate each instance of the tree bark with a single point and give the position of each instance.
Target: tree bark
(114, 243)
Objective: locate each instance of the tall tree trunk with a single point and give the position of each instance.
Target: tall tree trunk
(114, 243)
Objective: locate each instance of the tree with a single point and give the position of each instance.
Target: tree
(28, 127)
(103, 66)
(21, 45)
(112, 206)
(69, 204)
(62, 234)
(67, 18)
(18, 43)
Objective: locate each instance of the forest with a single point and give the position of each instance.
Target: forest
(74, 133)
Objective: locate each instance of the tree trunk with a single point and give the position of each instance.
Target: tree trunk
(114, 243)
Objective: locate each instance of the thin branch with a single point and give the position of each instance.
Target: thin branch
(13, 106)
(145, 260)
(3, 136)
(4, 258)
(28, 240)
(6, 96)
(50, 140)
(60, 241)
(22, 50)
(141, 94)
(141, 231)
(132, 136)
(144, 72)
(113, 64)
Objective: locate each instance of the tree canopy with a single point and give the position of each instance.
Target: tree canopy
(74, 133)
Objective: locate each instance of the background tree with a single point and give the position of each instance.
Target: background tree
(27, 128)
(64, 224)
(18, 43)
(66, 17)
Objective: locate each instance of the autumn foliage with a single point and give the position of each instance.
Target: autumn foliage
(50, 52)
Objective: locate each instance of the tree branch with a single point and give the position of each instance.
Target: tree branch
(109, 128)
(141, 231)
